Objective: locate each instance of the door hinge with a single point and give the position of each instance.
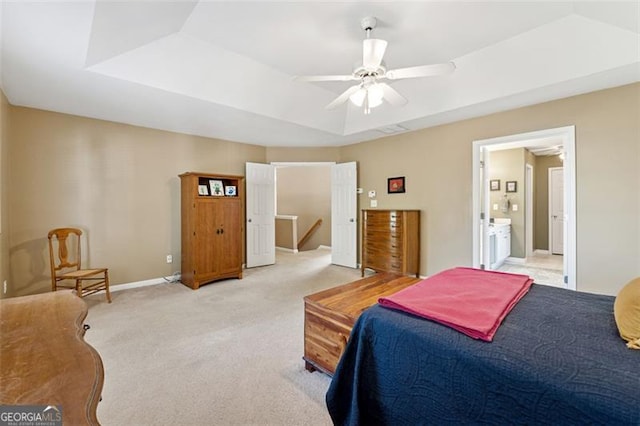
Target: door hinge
(481, 164)
(482, 216)
(566, 279)
(482, 266)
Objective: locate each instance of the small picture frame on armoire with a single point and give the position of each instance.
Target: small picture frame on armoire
(203, 190)
(230, 191)
(217, 188)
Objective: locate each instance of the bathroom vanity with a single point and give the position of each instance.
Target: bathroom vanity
(499, 241)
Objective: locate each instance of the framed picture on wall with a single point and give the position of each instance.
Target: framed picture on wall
(494, 185)
(395, 185)
(512, 186)
(217, 188)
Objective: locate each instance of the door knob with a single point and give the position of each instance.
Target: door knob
(249, 220)
(351, 220)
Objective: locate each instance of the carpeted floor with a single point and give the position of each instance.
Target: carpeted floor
(226, 354)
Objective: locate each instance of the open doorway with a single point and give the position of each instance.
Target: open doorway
(342, 204)
(303, 206)
(513, 197)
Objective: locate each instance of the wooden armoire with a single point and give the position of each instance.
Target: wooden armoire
(212, 216)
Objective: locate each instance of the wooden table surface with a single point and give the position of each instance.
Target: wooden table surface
(44, 359)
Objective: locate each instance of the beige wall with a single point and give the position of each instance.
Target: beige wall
(305, 191)
(4, 185)
(437, 165)
(286, 233)
(117, 182)
(509, 165)
(309, 155)
(120, 184)
(541, 195)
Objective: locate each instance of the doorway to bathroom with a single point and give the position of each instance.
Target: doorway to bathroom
(513, 217)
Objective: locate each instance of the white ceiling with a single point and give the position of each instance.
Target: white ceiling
(224, 69)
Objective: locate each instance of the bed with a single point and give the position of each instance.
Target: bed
(557, 358)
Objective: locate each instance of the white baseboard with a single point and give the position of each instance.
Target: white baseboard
(287, 249)
(145, 283)
(538, 251)
(515, 260)
(321, 247)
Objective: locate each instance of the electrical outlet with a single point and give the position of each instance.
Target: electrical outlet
(169, 258)
(374, 203)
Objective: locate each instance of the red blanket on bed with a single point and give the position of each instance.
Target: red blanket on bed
(469, 300)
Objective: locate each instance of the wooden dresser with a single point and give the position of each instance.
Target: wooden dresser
(391, 241)
(330, 315)
(44, 359)
(212, 216)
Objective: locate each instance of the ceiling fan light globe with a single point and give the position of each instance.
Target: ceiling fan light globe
(375, 94)
(358, 98)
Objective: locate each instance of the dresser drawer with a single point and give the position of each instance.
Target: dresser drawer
(383, 218)
(388, 239)
(391, 232)
(376, 249)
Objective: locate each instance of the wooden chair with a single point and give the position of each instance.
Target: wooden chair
(66, 265)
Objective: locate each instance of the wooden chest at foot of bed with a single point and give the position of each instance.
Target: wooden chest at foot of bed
(330, 315)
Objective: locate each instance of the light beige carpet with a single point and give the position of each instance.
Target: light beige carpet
(229, 353)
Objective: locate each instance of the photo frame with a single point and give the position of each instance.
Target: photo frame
(230, 191)
(494, 185)
(511, 186)
(203, 190)
(395, 185)
(217, 188)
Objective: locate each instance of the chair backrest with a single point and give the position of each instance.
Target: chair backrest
(64, 258)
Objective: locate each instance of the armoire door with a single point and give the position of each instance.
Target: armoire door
(229, 242)
(205, 239)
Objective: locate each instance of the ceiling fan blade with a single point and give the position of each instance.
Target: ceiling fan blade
(325, 78)
(343, 97)
(421, 71)
(372, 52)
(391, 95)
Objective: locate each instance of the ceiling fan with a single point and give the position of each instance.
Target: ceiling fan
(371, 89)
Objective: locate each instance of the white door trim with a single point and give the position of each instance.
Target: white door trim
(528, 216)
(567, 134)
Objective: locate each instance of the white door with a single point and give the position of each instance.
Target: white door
(261, 217)
(556, 210)
(344, 227)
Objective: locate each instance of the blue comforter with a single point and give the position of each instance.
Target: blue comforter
(556, 359)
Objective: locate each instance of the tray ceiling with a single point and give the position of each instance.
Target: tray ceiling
(224, 69)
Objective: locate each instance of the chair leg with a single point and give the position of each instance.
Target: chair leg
(106, 283)
(79, 287)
